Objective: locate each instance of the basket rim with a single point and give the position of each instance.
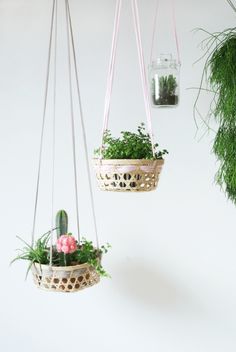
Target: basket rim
(128, 161)
(61, 268)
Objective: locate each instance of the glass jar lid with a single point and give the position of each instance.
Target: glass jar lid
(165, 61)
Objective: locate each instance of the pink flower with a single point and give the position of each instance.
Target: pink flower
(66, 244)
(65, 249)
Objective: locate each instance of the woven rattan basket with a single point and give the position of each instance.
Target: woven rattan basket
(122, 175)
(64, 279)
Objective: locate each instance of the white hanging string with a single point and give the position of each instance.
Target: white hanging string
(111, 69)
(110, 78)
(175, 30)
(72, 120)
(83, 125)
(43, 124)
(143, 71)
(172, 4)
(54, 133)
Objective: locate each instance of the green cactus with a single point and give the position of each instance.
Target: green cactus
(61, 223)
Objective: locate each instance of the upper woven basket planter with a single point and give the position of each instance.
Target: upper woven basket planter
(128, 175)
(132, 162)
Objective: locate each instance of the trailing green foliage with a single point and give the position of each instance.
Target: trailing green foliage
(220, 74)
(88, 254)
(129, 146)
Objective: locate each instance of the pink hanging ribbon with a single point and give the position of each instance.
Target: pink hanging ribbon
(172, 3)
(145, 85)
(110, 78)
(111, 70)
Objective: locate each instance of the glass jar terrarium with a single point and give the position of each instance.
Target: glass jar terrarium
(164, 79)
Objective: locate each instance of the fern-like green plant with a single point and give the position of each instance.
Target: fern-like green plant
(220, 74)
(166, 92)
(129, 146)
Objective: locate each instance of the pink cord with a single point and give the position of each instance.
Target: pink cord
(172, 3)
(143, 70)
(111, 70)
(154, 30)
(110, 78)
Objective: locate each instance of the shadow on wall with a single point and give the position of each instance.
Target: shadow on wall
(146, 284)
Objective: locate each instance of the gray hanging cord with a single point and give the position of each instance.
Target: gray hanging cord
(43, 124)
(72, 121)
(54, 132)
(83, 124)
(175, 31)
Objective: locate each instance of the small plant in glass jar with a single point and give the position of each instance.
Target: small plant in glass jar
(164, 80)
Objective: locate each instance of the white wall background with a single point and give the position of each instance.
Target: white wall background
(173, 258)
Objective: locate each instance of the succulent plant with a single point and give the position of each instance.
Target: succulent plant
(167, 86)
(61, 223)
(166, 91)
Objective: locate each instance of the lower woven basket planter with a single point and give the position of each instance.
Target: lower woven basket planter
(133, 175)
(65, 278)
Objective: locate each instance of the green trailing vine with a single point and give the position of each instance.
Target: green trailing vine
(220, 74)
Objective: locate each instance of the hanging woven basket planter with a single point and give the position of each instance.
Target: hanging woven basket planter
(132, 162)
(72, 276)
(64, 279)
(65, 264)
(127, 175)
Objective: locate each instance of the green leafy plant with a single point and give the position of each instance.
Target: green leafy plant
(129, 146)
(84, 251)
(167, 91)
(220, 75)
(39, 253)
